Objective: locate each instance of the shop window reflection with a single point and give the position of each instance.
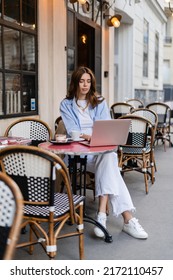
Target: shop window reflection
(28, 13)
(12, 94)
(1, 105)
(12, 10)
(28, 51)
(12, 48)
(0, 47)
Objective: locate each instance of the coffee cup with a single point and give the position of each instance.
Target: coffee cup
(75, 134)
(60, 137)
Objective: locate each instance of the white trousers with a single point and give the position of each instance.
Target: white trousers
(108, 180)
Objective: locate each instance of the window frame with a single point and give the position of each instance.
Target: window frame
(156, 56)
(31, 73)
(145, 48)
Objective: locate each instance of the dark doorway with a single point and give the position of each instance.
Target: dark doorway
(85, 45)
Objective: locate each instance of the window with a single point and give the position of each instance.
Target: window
(156, 68)
(166, 71)
(145, 49)
(84, 37)
(18, 58)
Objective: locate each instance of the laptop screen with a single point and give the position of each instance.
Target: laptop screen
(109, 132)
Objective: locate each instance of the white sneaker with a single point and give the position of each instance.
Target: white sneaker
(101, 218)
(134, 229)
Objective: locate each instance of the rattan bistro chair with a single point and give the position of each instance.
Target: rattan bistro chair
(34, 129)
(148, 114)
(170, 104)
(31, 128)
(163, 112)
(11, 213)
(153, 118)
(120, 109)
(45, 212)
(136, 154)
(135, 103)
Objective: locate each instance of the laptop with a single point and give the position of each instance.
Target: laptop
(109, 133)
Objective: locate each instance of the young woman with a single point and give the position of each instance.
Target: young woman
(81, 107)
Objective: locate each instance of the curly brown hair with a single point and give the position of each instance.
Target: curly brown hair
(92, 95)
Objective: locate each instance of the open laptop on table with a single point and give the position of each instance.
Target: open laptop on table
(108, 133)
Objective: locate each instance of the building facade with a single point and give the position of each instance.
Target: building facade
(168, 55)
(127, 60)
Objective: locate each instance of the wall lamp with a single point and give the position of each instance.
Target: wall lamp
(113, 20)
(169, 2)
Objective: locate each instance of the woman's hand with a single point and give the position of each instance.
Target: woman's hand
(85, 136)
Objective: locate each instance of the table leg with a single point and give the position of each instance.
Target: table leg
(73, 170)
(88, 219)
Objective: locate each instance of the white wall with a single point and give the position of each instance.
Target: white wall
(107, 64)
(124, 63)
(168, 55)
(52, 58)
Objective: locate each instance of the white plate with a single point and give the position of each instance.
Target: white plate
(79, 139)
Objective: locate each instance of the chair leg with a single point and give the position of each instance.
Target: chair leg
(51, 248)
(153, 166)
(146, 182)
(81, 246)
(152, 173)
(81, 236)
(31, 247)
(144, 169)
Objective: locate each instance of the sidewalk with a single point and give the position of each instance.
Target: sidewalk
(154, 211)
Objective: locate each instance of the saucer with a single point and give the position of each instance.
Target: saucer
(67, 141)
